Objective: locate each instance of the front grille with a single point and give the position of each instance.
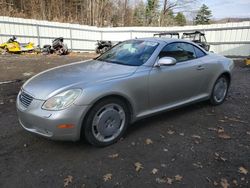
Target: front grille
(25, 99)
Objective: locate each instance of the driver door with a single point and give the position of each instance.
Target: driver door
(175, 84)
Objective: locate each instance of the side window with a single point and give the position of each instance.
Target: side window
(179, 51)
(199, 53)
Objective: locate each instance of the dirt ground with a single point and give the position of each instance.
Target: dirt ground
(24, 66)
(197, 146)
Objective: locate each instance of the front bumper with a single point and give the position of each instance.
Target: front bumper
(36, 120)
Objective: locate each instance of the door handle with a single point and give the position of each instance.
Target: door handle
(200, 67)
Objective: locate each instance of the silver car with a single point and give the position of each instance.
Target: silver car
(98, 99)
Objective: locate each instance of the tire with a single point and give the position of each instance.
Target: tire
(106, 122)
(65, 49)
(220, 90)
(57, 43)
(46, 49)
(97, 51)
(106, 48)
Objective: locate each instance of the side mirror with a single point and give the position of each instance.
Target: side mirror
(166, 61)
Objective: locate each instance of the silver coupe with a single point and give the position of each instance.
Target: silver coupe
(98, 99)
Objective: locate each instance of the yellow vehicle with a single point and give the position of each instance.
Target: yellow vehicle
(247, 61)
(13, 46)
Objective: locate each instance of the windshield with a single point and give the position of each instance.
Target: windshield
(133, 52)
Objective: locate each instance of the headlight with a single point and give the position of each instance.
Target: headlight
(62, 100)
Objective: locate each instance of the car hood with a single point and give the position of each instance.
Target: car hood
(75, 75)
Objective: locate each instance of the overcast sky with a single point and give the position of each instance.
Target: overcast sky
(227, 8)
(220, 8)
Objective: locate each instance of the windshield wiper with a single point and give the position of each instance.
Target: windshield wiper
(110, 61)
(116, 62)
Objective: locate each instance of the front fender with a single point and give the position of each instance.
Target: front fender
(133, 88)
(93, 94)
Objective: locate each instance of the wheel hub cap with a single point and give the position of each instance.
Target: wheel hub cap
(220, 90)
(108, 122)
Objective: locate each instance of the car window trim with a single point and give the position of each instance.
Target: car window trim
(187, 43)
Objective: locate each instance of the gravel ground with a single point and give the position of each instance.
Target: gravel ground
(24, 66)
(193, 147)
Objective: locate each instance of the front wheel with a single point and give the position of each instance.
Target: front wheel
(220, 90)
(106, 122)
(97, 50)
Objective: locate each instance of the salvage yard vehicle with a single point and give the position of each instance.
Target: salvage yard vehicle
(102, 46)
(58, 47)
(198, 38)
(98, 99)
(13, 46)
(247, 61)
(168, 35)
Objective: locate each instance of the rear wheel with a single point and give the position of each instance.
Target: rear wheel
(106, 122)
(106, 48)
(97, 50)
(220, 90)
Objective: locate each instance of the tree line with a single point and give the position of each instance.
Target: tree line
(105, 12)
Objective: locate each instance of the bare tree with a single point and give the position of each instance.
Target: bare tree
(175, 5)
(96, 12)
